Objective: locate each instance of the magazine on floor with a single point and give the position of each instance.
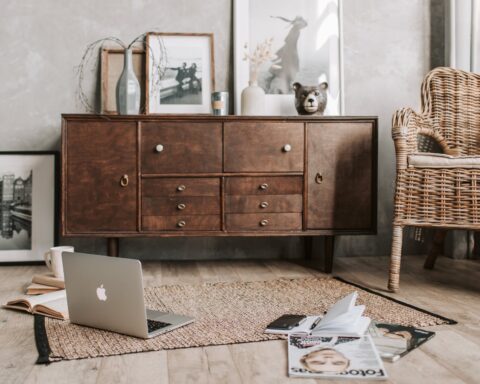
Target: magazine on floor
(394, 341)
(334, 357)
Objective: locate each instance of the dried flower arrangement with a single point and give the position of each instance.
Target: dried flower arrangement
(88, 65)
(261, 54)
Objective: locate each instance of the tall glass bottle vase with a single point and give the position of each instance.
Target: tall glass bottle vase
(128, 88)
(253, 100)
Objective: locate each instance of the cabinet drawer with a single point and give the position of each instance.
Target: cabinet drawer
(267, 203)
(188, 205)
(181, 223)
(181, 186)
(263, 147)
(181, 147)
(263, 222)
(270, 185)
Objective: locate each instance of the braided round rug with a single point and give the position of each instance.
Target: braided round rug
(225, 313)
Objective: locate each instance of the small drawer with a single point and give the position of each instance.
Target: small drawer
(181, 186)
(267, 203)
(180, 206)
(263, 147)
(263, 222)
(270, 185)
(181, 147)
(181, 223)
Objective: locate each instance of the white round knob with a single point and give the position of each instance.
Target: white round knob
(159, 148)
(287, 148)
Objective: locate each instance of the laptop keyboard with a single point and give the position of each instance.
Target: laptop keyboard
(154, 325)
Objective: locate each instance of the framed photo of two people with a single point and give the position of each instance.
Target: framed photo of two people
(180, 72)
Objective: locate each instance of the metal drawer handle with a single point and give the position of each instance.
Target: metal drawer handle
(181, 224)
(159, 148)
(264, 223)
(287, 148)
(124, 180)
(181, 188)
(263, 186)
(263, 204)
(318, 178)
(181, 206)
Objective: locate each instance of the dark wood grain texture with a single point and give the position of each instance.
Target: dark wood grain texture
(263, 221)
(269, 185)
(260, 204)
(187, 205)
(262, 147)
(98, 156)
(181, 223)
(340, 174)
(181, 186)
(187, 148)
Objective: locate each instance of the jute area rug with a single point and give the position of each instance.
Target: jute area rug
(225, 313)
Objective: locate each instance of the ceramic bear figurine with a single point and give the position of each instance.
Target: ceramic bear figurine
(310, 99)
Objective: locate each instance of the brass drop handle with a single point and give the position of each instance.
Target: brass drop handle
(181, 188)
(264, 204)
(181, 206)
(124, 180)
(181, 224)
(264, 223)
(263, 186)
(287, 148)
(318, 178)
(159, 148)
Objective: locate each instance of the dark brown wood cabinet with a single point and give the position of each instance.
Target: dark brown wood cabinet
(218, 176)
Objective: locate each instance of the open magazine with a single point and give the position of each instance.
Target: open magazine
(334, 357)
(53, 304)
(394, 341)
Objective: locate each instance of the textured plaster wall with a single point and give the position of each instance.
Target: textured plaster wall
(386, 57)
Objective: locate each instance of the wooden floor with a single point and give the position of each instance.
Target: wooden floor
(452, 356)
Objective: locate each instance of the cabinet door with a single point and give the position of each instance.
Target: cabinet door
(99, 157)
(340, 175)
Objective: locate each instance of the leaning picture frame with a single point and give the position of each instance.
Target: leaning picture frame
(180, 73)
(29, 205)
(112, 61)
(307, 47)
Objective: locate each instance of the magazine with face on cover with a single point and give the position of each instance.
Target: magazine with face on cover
(334, 357)
(394, 341)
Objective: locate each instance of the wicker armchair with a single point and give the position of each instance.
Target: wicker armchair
(438, 190)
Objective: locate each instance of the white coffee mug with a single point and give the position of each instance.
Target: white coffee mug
(53, 259)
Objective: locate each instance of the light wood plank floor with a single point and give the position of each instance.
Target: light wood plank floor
(452, 356)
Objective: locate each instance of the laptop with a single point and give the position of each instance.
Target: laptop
(107, 293)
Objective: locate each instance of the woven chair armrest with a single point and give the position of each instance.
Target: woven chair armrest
(406, 126)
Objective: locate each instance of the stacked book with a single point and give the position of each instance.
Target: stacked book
(44, 284)
(345, 344)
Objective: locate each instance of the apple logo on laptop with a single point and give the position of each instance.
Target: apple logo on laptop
(101, 293)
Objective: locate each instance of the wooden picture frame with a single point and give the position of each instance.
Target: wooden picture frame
(29, 205)
(187, 60)
(111, 69)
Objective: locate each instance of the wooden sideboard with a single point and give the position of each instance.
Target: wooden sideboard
(163, 176)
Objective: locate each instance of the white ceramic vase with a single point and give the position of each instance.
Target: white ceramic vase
(253, 100)
(128, 88)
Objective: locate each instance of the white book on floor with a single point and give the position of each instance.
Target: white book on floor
(344, 318)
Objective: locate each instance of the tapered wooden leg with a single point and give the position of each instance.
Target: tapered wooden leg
(308, 244)
(394, 277)
(329, 250)
(112, 246)
(437, 248)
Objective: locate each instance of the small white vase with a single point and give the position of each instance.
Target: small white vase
(128, 88)
(253, 100)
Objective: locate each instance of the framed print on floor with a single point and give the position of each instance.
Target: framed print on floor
(180, 72)
(28, 203)
(306, 45)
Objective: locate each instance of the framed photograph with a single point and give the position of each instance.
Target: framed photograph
(180, 72)
(28, 199)
(111, 69)
(306, 38)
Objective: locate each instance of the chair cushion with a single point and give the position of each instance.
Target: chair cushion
(439, 160)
